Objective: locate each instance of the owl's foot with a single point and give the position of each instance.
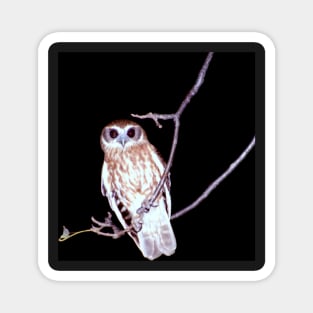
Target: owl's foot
(137, 222)
(138, 218)
(146, 206)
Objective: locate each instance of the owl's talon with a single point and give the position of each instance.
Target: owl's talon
(137, 226)
(142, 210)
(137, 223)
(145, 207)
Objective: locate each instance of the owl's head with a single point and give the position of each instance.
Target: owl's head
(122, 134)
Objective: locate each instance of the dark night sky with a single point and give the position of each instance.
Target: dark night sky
(96, 87)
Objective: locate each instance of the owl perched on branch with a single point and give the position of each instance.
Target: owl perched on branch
(131, 171)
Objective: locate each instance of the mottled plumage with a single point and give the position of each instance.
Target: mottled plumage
(131, 171)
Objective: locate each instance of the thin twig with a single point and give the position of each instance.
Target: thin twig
(155, 117)
(117, 233)
(175, 117)
(212, 186)
(67, 234)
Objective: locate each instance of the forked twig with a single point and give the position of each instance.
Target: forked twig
(116, 232)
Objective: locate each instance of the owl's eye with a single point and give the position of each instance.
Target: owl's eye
(113, 133)
(131, 133)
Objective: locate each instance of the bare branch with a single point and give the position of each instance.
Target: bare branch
(175, 117)
(155, 117)
(196, 86)
(98, 230)
(212, 186)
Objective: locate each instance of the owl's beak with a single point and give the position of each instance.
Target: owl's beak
(122, 140)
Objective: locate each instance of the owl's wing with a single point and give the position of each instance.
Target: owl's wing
(104, 179)
(116, 205)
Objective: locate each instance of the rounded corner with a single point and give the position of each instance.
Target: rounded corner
(264, 41)
(49, 41)
(47, 271)
(265, 270)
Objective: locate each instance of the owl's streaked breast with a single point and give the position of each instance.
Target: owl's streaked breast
(133, 172)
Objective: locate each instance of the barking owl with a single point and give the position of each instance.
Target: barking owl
(131, 171)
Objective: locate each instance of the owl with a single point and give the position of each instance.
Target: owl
(131, 171)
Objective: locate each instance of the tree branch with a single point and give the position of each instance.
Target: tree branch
(146, 206)
(212, 186)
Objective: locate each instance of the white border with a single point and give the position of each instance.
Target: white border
(44, 46)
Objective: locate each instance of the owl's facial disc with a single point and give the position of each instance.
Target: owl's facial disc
(122, 137)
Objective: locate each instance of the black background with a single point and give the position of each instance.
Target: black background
(93, 86)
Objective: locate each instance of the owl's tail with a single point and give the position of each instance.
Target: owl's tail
(156, 236)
